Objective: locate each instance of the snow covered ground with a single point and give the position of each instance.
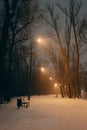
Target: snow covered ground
(45, 113)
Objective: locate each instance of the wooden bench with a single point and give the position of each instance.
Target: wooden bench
(25, 104)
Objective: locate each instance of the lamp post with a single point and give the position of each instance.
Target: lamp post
(56, 86)
(30, 72)
(41, 78)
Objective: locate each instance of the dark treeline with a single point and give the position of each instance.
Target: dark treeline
(19, 68)
(16, 17)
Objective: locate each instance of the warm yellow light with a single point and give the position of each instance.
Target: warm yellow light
(55, 85)
(50, 78)
(42, 69)
(39, 40)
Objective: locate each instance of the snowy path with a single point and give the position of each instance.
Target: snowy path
(45, 113)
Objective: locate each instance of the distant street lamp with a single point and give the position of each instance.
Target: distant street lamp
(50, 78)
(42, 69)
(55, 85)
(39, 40)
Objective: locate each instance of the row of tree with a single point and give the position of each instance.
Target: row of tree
(16, 17)
(68, 38)
(19, 65)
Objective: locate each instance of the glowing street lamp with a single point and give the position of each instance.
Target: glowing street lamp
(39, 40)
(50, 78)
(42, 69)
(56, 86)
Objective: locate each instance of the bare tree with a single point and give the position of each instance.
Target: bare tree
(17, 18)
(69, 42)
